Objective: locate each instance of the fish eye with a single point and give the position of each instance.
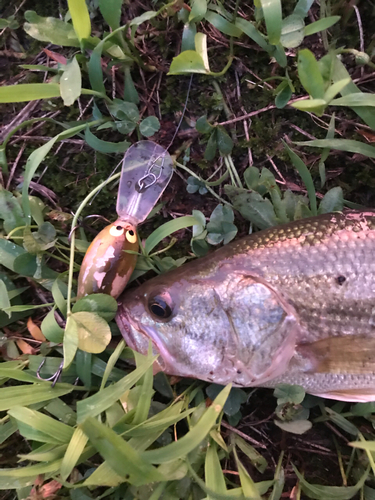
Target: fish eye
(131, 236)
(116, 231)
(160, 308)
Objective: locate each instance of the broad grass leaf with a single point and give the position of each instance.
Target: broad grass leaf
(74, 451)
(355, 99)
(80, 17)
(111, 11)
(258, 461)
(146, 393)
(70, 340)
(93, 331)
(28, 92)
(105, 146)
(224, 141)
(342, 145)
(342, 422)
(4, 299)
(198, 11)
(6, 430)
(251, 31)
(283, 95)
(292, 31)
(317, 492)
(149, 126)
(146, 16)
(334, 89)
(120, 456)
(130, 92)
(59, 294)
(50, 29)
(31, 394)
(188, 37)
(101, 401)
(39, 427)
(333, 201)
(194, 437)
(222, 24)
(321, 25)
(340, 73)
(45, 453)
(71, 82)
(211, 147)
(305, 176)
(303, 7)
(100, 303)
(83, 366)
(168, 228)
(20, 477)
(95, 69)
(309, 74)
(50, 329)
(111, 363)
(248, 486)
(187, 62)
(273, 19)
(34, 160)
(213, 472)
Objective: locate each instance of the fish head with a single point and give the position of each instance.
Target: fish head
(221, 327)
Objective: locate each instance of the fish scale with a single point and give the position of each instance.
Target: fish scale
(293, 303)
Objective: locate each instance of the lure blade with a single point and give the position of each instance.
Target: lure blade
(146, 171)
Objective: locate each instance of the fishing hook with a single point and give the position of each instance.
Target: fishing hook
(55, 377)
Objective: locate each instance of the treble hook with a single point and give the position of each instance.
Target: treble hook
(55, 377)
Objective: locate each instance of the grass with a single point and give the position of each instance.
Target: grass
(277, 128)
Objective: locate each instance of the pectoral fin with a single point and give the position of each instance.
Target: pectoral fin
(340, 355)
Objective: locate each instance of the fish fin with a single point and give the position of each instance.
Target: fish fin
(360, 395)
(353, 355)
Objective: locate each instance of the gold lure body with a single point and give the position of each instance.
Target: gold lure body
(109, 260)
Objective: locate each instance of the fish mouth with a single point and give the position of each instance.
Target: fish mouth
(138, 336)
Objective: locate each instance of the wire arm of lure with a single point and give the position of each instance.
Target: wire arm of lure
(80, 223)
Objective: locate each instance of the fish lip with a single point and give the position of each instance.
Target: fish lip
(130, 326)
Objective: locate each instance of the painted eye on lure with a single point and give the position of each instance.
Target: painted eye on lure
(108, 264)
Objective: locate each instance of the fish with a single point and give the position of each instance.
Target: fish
(293, 304)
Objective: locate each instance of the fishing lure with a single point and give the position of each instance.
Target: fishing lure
(111, 258)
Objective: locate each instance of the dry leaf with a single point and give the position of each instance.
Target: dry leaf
(25, 348)
(35, 331)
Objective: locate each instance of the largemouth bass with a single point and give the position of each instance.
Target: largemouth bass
(291, 304)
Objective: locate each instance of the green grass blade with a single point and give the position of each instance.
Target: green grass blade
(191, 440)
(167, 229)
(80, 17)
(60, 432)
(105, 146)
(145, 397)
(45, 453)
(121, 457)
(99, 402)
(213, 472)
(111, 11)
(342, 145)
(321, 25)
(29, 92)
(355, 99)
(24, 395)
(306, 177)
(74, 451)
(340, 73)
(104, 476)
(273, 18)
